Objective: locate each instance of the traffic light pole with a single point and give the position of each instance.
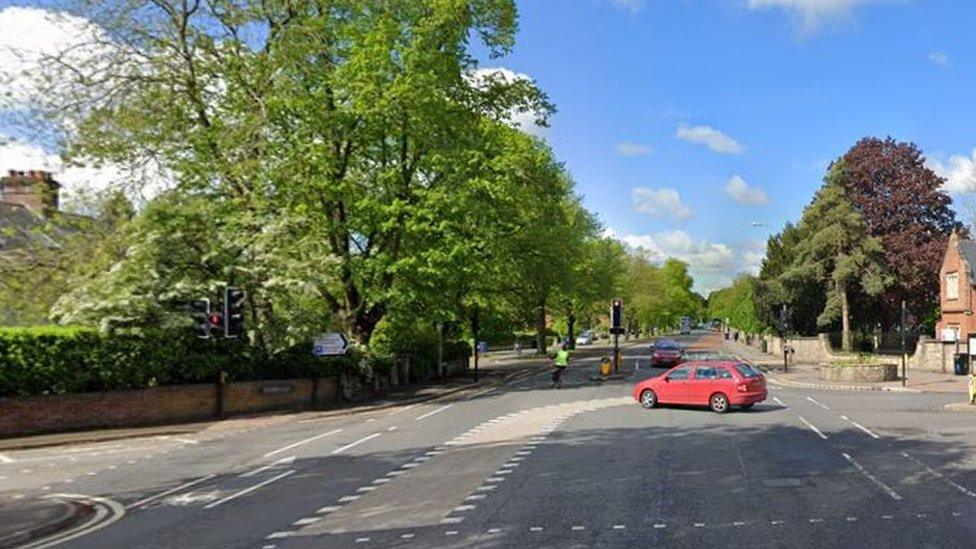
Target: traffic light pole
(616, 352)
(904, 372)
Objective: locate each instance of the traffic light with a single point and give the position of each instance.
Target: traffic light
(784, 319)
(233, 312)
(616, 316)
(201, 317)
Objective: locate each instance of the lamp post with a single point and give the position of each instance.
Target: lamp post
(904, 358)
(784, 325)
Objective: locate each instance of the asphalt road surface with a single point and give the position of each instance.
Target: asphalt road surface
(524, 465)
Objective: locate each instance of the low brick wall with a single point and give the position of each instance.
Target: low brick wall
(879, 372)
(158, 405)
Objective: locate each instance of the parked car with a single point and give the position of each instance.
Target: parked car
(665, 353)
(584, 339)
(718, 385)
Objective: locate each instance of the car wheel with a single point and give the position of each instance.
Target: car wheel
(748, 406)
(648, 399)
(719, 403)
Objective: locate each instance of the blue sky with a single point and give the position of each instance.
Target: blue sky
(793, 82)
(686, 121)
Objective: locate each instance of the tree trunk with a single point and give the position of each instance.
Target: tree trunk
(540, 328)
(571, 325)
(845, 319)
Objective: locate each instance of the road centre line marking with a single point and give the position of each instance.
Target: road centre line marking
(5, 459)
(887, 489)
(859, 426)
(813, 428)
(301, 442)
(284, 461)
(354, 444)
(813, 400)
(246, 491)
(170, 491)
(437, 411)
(940, 476)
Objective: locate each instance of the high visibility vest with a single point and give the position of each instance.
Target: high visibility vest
(562, 358)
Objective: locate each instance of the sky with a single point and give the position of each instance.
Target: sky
(696, 128)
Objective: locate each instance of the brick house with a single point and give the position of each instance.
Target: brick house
(957, 288)
(27, 202)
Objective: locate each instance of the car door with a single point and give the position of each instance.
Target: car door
(674, 389)
(703, 384)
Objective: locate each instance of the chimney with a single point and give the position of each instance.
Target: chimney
(35, 190)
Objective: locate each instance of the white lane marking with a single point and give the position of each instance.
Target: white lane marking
(475, 497)
(813, 428)
(619, 527)
(362, 540)
(462, 508)
(859, 426)
(813, 400)
(246, 491)
(170, 491)
(365, 488)
(940, 476)
(887, 489)
(301, 442)
(391, 429)
(437, 411)
(382, 480)
(185, 440)
(780, 402)
(578, 528)
(113, 510)
(328, 509)
(5, 459)
(660, 526)
(452, 520)
(738, 523)
(306, 521)
(699, 525)
(535, 528)
(494, 479)
(279, 535)
(408, 535)
(451, 533)
(354, 444)
(347, 499)
(283, 461)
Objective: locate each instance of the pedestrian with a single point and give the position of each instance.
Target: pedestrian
(518, 348)
(561, 363)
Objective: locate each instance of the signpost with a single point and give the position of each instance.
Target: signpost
(330, 344)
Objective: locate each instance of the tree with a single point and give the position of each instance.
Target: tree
(736, 304)
(903, 204)
(838, 251)
(310, 162)
(804, 296)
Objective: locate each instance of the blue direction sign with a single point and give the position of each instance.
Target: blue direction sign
(330, 344)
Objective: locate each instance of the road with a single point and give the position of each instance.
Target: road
(524, 465)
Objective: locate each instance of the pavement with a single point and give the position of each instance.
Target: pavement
(516, 463)
(808, 376)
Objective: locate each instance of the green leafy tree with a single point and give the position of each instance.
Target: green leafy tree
(737, 304)
(839, 252)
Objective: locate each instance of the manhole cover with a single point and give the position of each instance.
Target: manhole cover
(781, 482)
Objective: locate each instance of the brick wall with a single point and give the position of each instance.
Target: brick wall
(157, 405)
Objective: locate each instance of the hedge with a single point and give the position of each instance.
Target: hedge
(56, 360)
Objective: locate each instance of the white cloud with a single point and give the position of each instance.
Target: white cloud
(40, 35)
(710, 137)
(627, 148)
(713, 265)
(959, 172)
(810, 16)
(660, 203)
(940, 58)
(743, 193)
(523, 120)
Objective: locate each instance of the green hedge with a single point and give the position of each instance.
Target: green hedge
(56, 360)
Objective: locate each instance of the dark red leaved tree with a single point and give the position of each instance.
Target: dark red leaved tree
(905, 206)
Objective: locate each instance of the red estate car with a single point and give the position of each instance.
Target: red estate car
(718, 385)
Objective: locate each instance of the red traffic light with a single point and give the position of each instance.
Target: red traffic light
(215, 319)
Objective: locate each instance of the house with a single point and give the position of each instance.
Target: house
(957, 288)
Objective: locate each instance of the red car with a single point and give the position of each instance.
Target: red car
(666, 353)
(718, 385)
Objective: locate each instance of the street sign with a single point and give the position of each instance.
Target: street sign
(330, 344)
(971, 345)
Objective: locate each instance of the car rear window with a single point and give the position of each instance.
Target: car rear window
(746, 370)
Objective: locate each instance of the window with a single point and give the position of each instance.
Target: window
(680, 373)
(724, 374)
(746, 370)
(705, 372)
(952, 286)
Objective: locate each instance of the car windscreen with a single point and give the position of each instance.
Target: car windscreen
(666, 346)
(745, 370)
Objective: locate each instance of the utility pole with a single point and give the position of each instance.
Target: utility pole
(440, 349)
(474, 330)
(904, 357)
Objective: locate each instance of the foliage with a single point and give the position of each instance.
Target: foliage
(903, 204)
(656, 297)
(805, 297)
(838, 251)
(56, 360)
(737, 304)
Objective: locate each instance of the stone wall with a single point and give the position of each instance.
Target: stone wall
(932, 355)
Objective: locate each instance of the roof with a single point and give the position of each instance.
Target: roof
(21, 228)
(968, 250)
